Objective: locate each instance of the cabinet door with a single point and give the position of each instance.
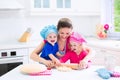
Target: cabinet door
(115, 55)
(65, 7)
(90, 7)
(99, 57)
(51, 7)
(102, 54)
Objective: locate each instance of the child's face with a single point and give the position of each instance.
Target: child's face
(52, 38)
(75, 46)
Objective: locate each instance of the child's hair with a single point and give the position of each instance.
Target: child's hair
(76, 37)
(64, 23)
(47, 30)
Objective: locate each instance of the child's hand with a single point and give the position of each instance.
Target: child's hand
(48, 63)
(82, 64)
(57, 62)
(59, 55)
(54, 60)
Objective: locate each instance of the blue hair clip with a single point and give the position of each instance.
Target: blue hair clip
(47, 30)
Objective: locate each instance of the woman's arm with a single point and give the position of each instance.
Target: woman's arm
(35, 54)
(90, 54)
(85, 62)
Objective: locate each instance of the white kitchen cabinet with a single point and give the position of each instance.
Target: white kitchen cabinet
(89, 7)
(102, 53)
(10, 5)
(77, 7)
(104, 48)
(98, 59)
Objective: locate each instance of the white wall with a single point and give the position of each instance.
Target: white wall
(14, 23)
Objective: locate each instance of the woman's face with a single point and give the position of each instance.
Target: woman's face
(64, 33)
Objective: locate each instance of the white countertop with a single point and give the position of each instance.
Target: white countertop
(87, 74)
(104, 43)
(17, 44)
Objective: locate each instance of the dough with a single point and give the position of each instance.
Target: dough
(32, 68)
(63, 68)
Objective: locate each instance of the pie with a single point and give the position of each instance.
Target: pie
(32, 68)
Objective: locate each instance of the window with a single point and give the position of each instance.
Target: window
(110, 14)
(116, 15)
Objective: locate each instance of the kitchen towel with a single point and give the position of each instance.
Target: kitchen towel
(46, 72)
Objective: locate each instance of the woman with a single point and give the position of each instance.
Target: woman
(64, 28)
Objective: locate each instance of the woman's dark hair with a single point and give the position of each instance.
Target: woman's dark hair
(64, 23)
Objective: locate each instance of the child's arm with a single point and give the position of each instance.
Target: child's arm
(59, 55)
(90, 54)
(54, 59)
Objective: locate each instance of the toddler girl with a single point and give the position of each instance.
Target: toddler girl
(50, 49)
(77, 54)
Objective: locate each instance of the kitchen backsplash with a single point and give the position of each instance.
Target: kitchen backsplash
(12, 28)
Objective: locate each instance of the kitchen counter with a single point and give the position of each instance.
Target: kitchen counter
(87, 74)
(17, 44)
(104, 43)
